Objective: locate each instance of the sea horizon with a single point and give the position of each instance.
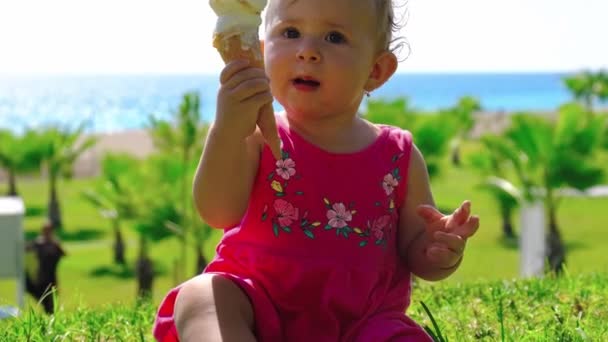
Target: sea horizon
(112, 102)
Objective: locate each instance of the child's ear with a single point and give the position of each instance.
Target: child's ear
(384, 67)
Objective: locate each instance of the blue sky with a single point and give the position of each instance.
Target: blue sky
(174, 36)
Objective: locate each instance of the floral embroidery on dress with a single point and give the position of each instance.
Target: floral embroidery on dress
(378, 228)
(389, 183)
(375, 230)
(285, 213)
(307, 226)
(339, 216)
(286, 168)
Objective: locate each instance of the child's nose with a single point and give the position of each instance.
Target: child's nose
(309, 52)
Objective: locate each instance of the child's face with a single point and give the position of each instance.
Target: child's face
(319, 54)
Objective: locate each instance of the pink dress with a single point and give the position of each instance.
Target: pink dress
(316, 251)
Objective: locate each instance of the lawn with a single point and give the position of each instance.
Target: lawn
(571, 308)
(88, 278)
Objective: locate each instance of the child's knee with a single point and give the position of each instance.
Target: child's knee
(210, 298)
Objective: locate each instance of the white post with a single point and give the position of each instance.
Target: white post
(12, 243)
(532, 239)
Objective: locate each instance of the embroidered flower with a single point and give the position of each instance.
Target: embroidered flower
(339, 215)
(286, 213)
(389, 183)
(378, 226)
(286, 168)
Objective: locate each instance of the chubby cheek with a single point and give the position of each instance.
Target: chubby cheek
(273, 57)
(278, 71)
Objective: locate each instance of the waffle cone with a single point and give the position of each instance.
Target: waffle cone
(234, 47)
(247, 46)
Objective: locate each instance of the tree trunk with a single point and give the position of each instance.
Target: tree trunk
(589, 104)
(144, 269)
(201, 262)
(54, 209)
(556, 251)
(12, 184)
(456, 156)
(181, 269)
(119, 245)
(507, 228)
(184, 214)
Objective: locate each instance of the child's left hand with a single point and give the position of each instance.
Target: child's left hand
(448, 233)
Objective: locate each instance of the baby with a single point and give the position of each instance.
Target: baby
(321, 244)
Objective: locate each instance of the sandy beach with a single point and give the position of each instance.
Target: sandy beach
(138, 143)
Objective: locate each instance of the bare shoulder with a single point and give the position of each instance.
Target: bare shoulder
(370, 127)
(367, 132)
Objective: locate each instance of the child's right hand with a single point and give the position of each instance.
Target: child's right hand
(243, 92)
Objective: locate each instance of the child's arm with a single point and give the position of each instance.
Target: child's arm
(228, 166)
(431, 243)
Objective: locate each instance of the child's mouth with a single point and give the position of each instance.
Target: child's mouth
(306, 84)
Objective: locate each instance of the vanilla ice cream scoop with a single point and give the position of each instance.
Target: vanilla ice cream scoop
(238, 17)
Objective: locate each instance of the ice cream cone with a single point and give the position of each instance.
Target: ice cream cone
(233, 48)
(246, 45)
(236, 37)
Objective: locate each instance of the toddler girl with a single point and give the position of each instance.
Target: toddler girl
(321, 244)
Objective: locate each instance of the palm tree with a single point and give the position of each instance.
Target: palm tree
(432, 135)
(182, 136)
(157, 210)
(9, 159)
(588, 87)
(201, 233)
(601, 89)
(492, 163)
(19, 154)
(550, 156)
(62, 146)
(114, 197)
(151, 226)
(602, 96)
(462, 116)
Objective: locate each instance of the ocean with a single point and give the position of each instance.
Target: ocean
(118, 102)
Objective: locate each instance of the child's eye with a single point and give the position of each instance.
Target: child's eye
(291, 33)
(335, 38)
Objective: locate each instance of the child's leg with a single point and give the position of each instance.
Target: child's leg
(210, 307)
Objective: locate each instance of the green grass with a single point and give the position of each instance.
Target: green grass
(570, 308)
(88, 278)
(107, 323)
